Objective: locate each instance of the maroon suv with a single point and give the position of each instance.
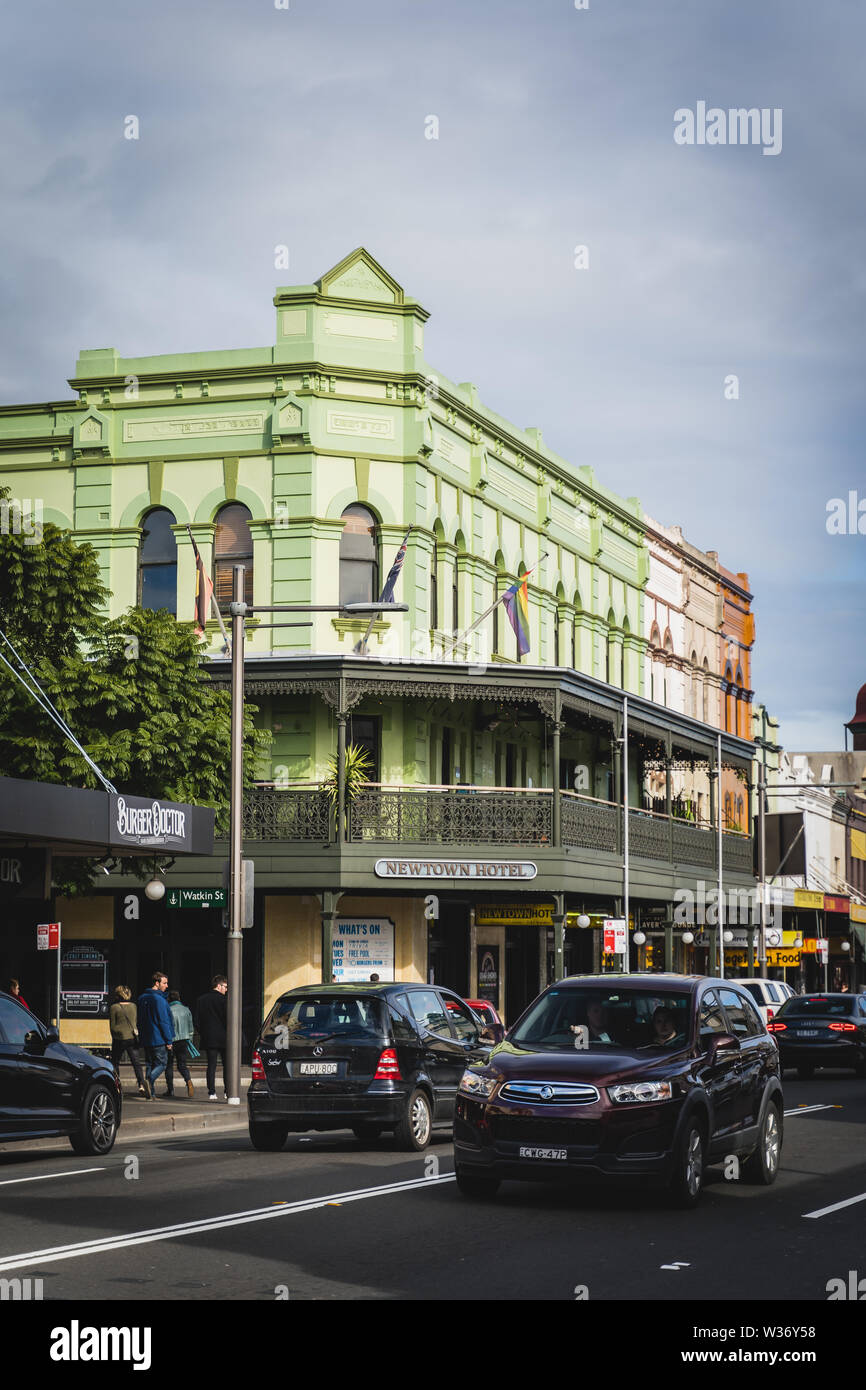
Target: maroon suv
(649, 1076)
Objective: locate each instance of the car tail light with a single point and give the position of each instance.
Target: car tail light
(842, 1027)
(776, 1027)
(770, 1012)
(388, 1068)
(258, 1068)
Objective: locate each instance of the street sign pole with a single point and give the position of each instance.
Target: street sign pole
(59, 933)
(235, 937)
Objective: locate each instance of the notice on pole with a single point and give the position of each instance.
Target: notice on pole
(47, 936)
(361, 947)
(614, 935)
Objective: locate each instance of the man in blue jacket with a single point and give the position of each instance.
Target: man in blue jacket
(155, 1029)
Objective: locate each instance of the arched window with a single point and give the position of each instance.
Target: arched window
(359, 556)
(157, 563)
(232, 545)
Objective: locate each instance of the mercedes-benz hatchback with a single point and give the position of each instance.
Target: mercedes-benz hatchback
(368, 1058)
(624, 1076)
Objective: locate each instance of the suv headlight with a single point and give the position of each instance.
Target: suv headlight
(473, 1083)
(636, 1091)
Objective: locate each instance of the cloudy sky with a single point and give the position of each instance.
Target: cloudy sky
(305, 126)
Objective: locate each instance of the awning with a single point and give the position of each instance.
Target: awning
(77, 821)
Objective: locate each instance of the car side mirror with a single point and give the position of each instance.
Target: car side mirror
(722, 1042)
(52, 1036)
(493, 1034)
(34, 1040)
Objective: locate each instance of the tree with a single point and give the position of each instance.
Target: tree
(134, 689)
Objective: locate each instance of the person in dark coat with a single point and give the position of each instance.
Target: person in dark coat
(211, 1016)
(155, 1029)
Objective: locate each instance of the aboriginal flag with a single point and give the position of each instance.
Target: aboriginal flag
(516, 601)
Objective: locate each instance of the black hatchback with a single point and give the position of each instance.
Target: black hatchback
(49, 1088)
(365, 1057)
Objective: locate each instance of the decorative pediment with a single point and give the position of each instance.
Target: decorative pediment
(288, 421)
(359, 276)
(90, 433)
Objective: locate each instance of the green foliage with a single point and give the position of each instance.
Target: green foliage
(358, 767)
(134, 690)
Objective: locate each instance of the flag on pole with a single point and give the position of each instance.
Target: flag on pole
(516, 600)
(203, 591)
(387, 594)
(204, 596)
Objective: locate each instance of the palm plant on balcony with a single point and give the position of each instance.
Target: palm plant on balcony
(358, 765)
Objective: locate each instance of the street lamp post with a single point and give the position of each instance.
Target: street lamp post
(240, 611)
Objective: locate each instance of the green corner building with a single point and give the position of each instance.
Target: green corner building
(495, 783)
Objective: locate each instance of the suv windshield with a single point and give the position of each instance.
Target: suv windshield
(567, 1018)
(319, 1016)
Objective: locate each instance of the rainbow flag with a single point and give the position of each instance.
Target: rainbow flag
(516, 600)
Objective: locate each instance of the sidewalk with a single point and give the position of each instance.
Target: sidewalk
(162, 1117)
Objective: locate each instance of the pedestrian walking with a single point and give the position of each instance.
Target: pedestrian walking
(211, 1017)
(155, 1029)
(123, 1022)
(183, 1031)
(15, 991)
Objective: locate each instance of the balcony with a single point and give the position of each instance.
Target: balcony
(495, 816)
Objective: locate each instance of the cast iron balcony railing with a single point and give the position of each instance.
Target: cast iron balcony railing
(452, 815)
(513, 816)
(288, 813)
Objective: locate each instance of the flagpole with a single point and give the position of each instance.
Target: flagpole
(486, 614)
(361, 647)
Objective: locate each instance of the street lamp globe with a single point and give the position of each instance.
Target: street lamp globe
(583, 920)
(846, 945)
(639, 938)
(728, 936)
(687, 938)
(154, 889)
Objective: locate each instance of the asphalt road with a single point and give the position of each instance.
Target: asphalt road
(207, 1218)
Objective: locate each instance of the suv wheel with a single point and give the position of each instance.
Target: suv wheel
(416, 1123)
(763, 1165)
(687, 1179)
(482, 1186)
(97, 1127)
(267, 1136)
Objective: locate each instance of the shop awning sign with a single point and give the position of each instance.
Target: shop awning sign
(472, 870)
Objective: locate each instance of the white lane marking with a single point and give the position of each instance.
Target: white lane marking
(677, 1264)
(809, 1109)
(212, 1223)
(43, 1177)
(825, 1211)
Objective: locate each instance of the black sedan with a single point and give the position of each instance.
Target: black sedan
(821, 1030)
(618, 1077)
(48, 1088)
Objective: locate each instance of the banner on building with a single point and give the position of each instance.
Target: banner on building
(488, 973)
